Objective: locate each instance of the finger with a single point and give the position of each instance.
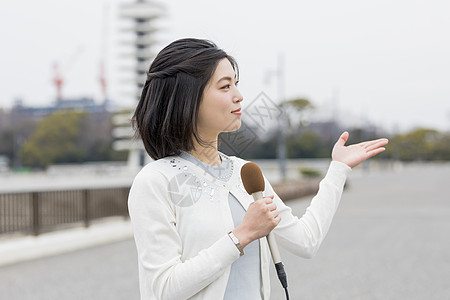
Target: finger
(366, 145)
(375, 152)
(275, 213)
(370, 144)
(383, 140)
(268, 199)
(277, 220)
(342, 139)
(272, 207)
(376, 144)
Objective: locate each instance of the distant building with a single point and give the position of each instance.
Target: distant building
(5, 119)
(20, 112)
(328, 130)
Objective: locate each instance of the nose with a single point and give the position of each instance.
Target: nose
(238, 97)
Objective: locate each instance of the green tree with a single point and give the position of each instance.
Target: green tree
(12, 138)
(306, 145)
(56, 140)
(442, 149)
(295, 110)
(419, 144)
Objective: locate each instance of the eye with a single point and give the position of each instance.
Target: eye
(226, 87)
(236, 83)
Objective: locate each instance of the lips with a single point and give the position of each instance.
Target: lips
(236, 110)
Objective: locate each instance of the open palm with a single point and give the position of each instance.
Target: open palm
(353, 155)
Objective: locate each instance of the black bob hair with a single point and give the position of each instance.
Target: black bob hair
(166, 115)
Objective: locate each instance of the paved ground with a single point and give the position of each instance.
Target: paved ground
(104, 272)
(389, 240)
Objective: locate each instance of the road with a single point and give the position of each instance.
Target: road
(389, 240)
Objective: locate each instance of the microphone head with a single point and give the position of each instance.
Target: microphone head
(252, 178)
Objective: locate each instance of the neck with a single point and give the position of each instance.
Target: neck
(207, 153)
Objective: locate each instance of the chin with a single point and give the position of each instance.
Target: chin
(233, 126)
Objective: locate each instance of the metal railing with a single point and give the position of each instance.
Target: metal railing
(44, 211)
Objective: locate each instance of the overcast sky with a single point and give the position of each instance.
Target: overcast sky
(384, 62)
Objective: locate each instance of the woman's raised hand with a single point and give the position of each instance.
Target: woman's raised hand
(353, 155)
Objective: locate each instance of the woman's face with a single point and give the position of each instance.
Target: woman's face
(220, 109)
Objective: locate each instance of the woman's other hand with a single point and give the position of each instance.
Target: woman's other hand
(353, 155)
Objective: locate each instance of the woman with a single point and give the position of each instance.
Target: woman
(192, 218)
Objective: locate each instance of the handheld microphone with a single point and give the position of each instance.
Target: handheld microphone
(253, 181)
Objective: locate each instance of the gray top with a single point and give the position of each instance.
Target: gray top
(244, 281)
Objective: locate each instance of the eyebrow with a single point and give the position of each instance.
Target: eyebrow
(226, 78)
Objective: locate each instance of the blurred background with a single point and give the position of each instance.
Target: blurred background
(71, 74)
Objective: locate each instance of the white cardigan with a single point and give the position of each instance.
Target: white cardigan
(181, 218)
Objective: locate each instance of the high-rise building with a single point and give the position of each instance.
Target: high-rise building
(142, 14)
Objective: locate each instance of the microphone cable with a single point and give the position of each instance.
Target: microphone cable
(254, 184)
(282, 277)
(287, 294)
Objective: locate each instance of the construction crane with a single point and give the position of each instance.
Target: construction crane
(58, 80)
(103, 51)
(102, 79)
